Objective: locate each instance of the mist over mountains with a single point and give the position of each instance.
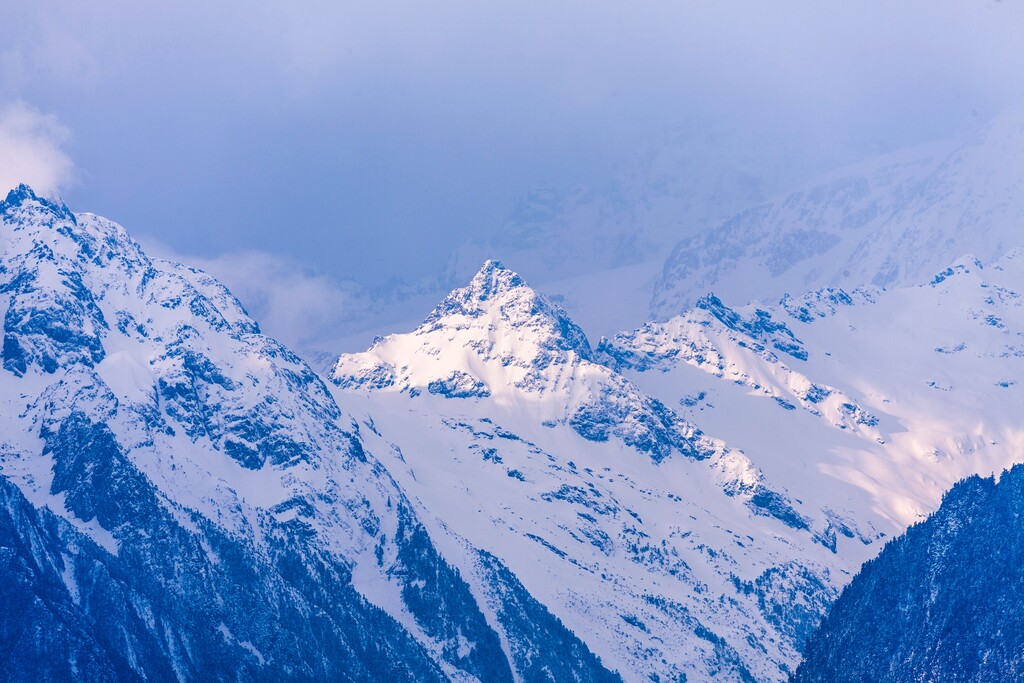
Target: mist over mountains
(669, 232)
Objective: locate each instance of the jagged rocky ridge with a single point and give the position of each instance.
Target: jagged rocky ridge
(524, 344)
(183, 498)
(823, 368)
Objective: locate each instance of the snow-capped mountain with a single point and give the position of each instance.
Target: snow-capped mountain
(489, 497)
(183, 498)
(889, 221)
(893, 395)
(498, 338)
(810, 439)
(670, 553)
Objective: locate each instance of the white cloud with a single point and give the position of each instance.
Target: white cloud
(32, 150)
(298, 307)
(306, 311)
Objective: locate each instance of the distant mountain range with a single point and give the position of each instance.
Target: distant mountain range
(890, 221)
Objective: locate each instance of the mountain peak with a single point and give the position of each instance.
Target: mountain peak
(20, 194)
(500, 293)
(493, 280)
(24, 194)
(967, 263)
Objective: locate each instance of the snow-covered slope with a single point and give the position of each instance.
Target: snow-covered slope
(877, 401)
(668, 551)
(182, 497)
(890, 396)
(691, 496)
(893, 220)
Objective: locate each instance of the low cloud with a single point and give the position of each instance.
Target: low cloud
(297, 307)
(306, 311)
(32, 150)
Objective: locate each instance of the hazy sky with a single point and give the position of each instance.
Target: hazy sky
(366, 140)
